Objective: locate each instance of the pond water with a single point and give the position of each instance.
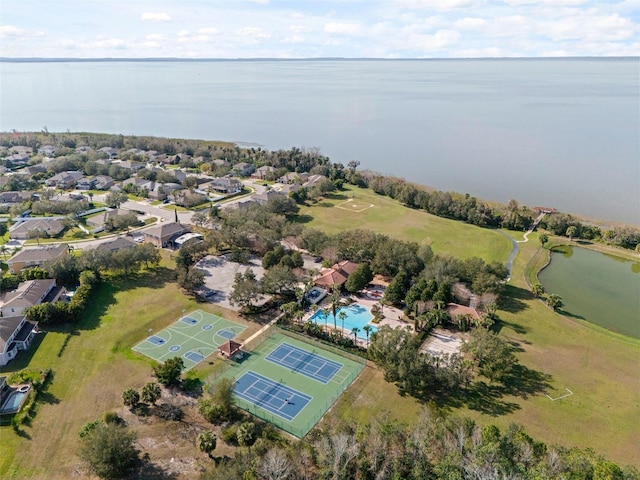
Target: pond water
(599, 288)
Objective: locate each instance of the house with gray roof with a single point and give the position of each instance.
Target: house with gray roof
(242, 169)
(28, 294)
(64, 180)
(16, 333)
(164, 235)
(52, 227)
(118, 243)
(34, 257)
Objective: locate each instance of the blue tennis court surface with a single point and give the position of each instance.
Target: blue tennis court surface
(194, 356)
(156, 340)
(269, 395)
(189, 320)
(302, 361)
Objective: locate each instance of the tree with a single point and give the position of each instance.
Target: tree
(131, 398)
(367, 330)
(544, 238)
(355, 331)
(151, 393)
(342, 316)
(278, 280)
(571, 231)
(37, 233)
(168, 373)
(537, 289)
(245, 289)
(492, 355)
(108, 451)
(359, 279)
(554, 301)
(223, 396)
(335, 300)
(115, 199)
(190, 279)
(397, 289)
(246, 434)
(207, 442)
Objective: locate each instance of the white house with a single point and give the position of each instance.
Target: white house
(16, 333)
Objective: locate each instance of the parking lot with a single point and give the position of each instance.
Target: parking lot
(219, 277)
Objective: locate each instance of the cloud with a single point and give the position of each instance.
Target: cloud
(342, 28)
(299, 28)
(110, 43)
(468, 23)
(436, 4)
(252, 32)
(155, 17)
(154, 37)
(11, 31)
(293, 39)
(209, 31)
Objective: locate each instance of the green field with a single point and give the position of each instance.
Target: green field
(385, 215)
(323, 395)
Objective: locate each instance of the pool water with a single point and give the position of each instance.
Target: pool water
(13, 402)
(357, 317)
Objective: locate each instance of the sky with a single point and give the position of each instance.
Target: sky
(318, 28)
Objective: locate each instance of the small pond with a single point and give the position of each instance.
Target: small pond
(599, 288)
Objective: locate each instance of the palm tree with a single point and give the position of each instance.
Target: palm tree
(4, 250)
(355, 331)
(325, 313)
(367, 329)
(342, 317)
(336, 302)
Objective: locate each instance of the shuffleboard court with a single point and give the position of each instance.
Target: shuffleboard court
(193, 337)
(305, 362)
(270, 395)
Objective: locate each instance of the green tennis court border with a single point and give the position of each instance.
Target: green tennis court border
(323, 395)
(190, 338)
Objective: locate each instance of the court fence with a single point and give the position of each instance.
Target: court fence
(233, 369)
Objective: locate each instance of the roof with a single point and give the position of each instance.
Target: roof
(165, 230)
(346, 266)
(41, 254)
(116, 244)
(455, 309)
(52, 226)
(229, 348)
(331, 277)
(8, 326)
(28, 293)
(182, 239)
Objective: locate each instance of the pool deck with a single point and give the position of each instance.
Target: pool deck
(393, 317)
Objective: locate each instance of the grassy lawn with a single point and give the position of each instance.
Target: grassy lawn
(601, 369)
(95, 367)
(389, 217)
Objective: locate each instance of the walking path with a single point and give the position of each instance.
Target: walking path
(514, 242)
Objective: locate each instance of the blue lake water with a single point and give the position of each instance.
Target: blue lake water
(357, 317)
(553, 132)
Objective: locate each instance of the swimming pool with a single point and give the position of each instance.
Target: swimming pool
(12, 404)
(357, 317)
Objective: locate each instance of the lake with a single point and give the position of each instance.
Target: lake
(555, 132)
(600, 288)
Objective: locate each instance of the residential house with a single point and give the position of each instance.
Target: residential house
(34, 257)
(18, 159)
(52, 227)
(165, 234)
(84, 149)
(16, 197)
(116, 244)
(48, 150)
(22, 150)
(131, 165)
(264, 197)
(110, 151)
(99, 221)
(242, 169)
(86, 183)
(218, 162)
(263, 172)
(226, 185)
(290, 188)
(32, 170)
(16, 333)
(313, 180)
(294, 177)
(28, 294)
(141, 183)
(103, 182)
(179, 174)
(64, 180)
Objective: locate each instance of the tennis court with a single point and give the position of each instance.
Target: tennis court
(274, 397)
(290, 380)
(302, 361)
(193, 337)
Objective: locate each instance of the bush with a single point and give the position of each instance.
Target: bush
(229, 434)
(169, 411)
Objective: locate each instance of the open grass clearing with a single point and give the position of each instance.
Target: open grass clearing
(391, 218)
(95, 367)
